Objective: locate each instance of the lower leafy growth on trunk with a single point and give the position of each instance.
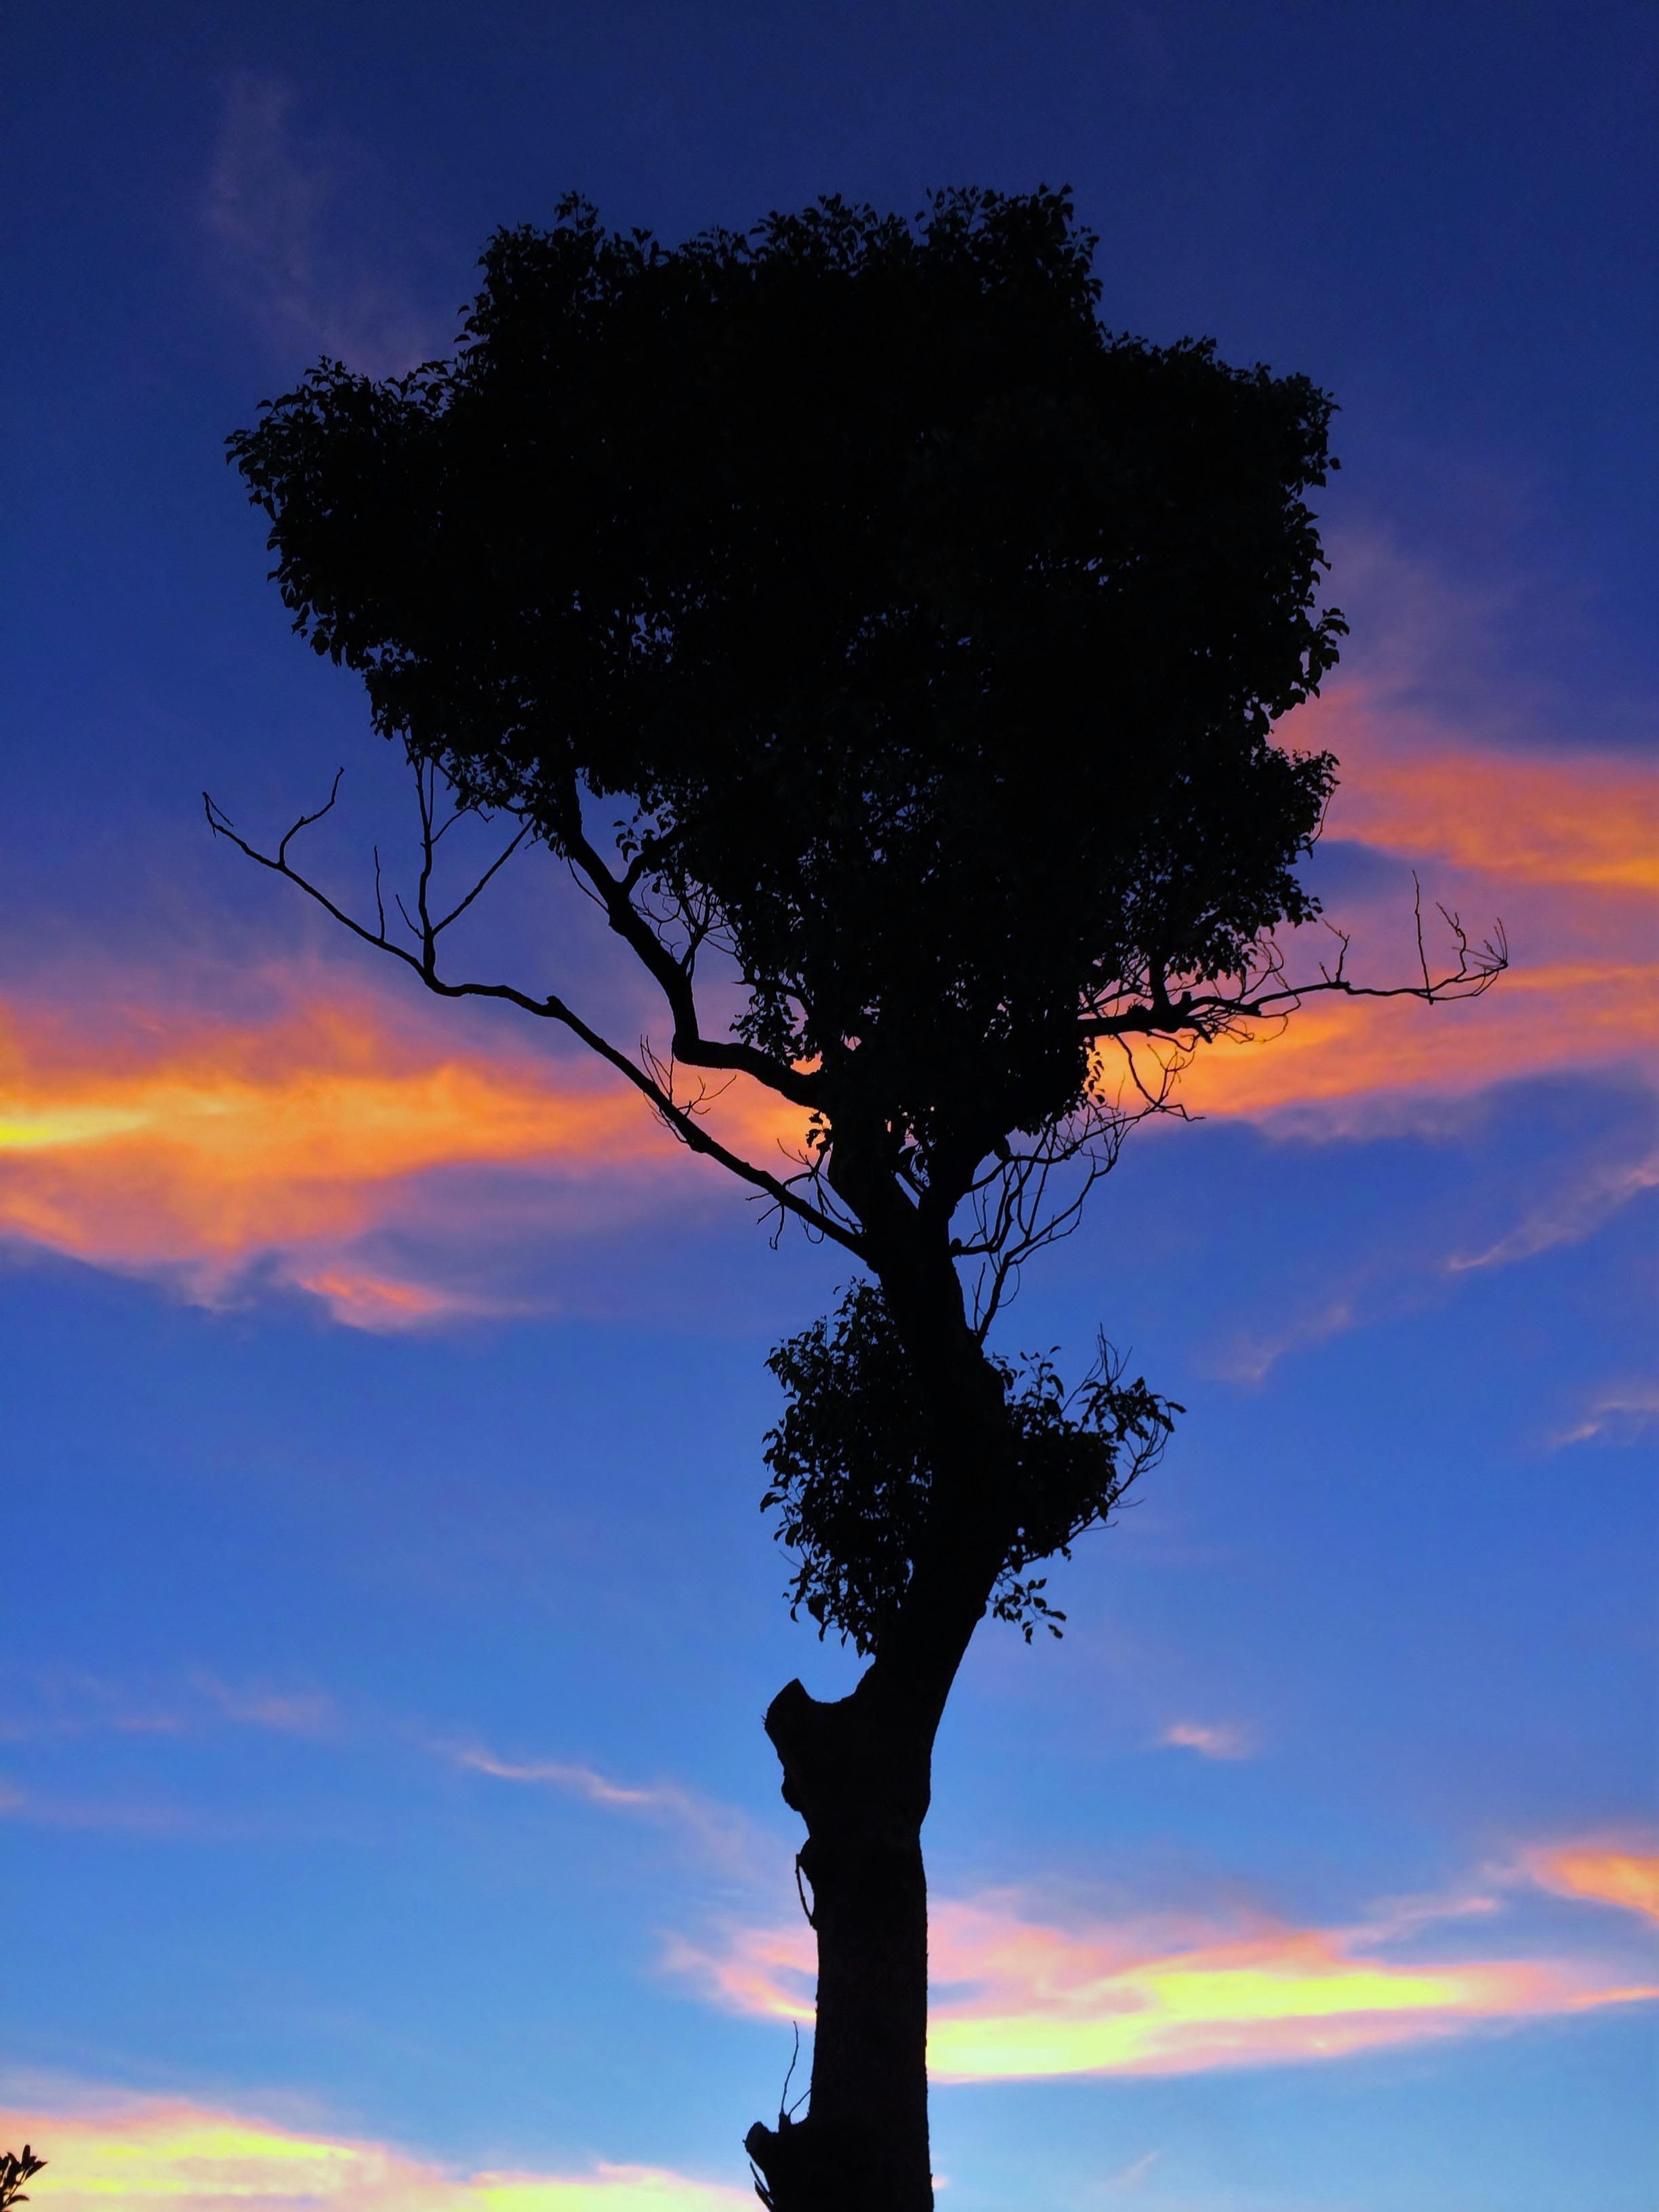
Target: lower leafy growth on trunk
(912, 1503)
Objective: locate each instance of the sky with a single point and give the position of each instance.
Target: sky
(384, 1817)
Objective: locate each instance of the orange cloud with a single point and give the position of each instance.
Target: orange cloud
(176, 1142)
(1608, 1876)
(1017, 1999)
(1411, 789)
(1536, 1021)
(203, 1140)
(165, 1141)
(1564, 848)
(200, 2159)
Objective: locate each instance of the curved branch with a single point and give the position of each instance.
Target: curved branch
(672, 975)
(681, 1119)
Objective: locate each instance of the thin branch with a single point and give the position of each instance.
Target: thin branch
(1205, 1014)
(679, 1119)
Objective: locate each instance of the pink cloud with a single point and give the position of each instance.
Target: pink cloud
(1209, 1741)
(1017, 1997)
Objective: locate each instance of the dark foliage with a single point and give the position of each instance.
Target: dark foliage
(929, 634)
(15, 2168)
(851, 1463)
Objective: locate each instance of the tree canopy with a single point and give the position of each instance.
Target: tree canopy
(926, 635)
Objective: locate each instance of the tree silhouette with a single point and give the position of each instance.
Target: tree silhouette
(15, 2168)
(893, 654)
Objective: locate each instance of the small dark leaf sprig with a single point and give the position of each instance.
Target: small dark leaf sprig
(851, 1469)
(15, 2168)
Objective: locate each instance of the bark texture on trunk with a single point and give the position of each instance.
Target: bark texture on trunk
(858, 1773)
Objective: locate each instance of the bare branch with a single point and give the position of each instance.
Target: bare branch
(681, 1119)
(1202, 1015)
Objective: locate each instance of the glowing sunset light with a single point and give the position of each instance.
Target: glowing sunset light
(173, 1143)
(1561, 1017)
(1583, 818)
(1607, 1876)
(202, 1145)
(1015, 1999)
(198, 2160)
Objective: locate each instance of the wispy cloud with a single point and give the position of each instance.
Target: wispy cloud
(1336, 1054)
(1210, 1739)
(203, 2158)
(1414, 787)
(1569, 1215)
(302, 1712)
(1133, 2174)
(307, 1147)
(71, 1701)
(1015, 1997)
(290, 222)
(1620, 1415)
(724, 1838)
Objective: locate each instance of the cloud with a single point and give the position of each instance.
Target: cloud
(724, 1838)
(1621, 1415)
(298, 238)
(1411, 786)
(71, 1701)
(1604, 1874)
(1334, 1054)
(1209, 1742)
(1569, 1215)
(1561, 842)
(202, 2159)
(341, 1145)
(177, 1144)
(1016, 1998)
(308, 1713)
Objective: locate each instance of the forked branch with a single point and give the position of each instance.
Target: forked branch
(653, 1080)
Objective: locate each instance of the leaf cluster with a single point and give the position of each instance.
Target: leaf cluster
(851, 1463)
(15, 2168)
(928, 634)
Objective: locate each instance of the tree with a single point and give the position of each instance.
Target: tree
(15, 2168)
(922, 641)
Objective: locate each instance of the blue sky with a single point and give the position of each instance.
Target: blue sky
(391, 1617)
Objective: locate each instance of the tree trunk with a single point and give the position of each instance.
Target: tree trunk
(858, 1773)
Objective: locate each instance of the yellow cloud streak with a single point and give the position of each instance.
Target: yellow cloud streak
(1042, 2001)
(193, 2159)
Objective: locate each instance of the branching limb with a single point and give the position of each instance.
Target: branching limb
(422, 958)
(1013, 1215)
(672, 972)
(1201, 1015)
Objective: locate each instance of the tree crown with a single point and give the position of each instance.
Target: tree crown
(928, 636)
